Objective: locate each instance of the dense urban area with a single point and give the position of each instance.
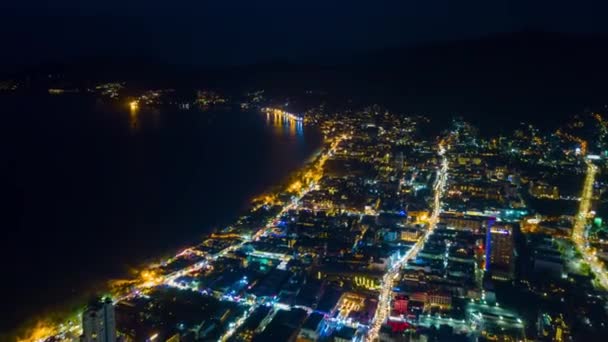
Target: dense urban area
(397, 230)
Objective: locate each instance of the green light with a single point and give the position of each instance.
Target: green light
(597, 221)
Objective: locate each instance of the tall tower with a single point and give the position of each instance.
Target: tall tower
(98, 322)
(399, 160)
(499, 251)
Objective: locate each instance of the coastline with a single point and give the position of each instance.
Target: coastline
(67, 323)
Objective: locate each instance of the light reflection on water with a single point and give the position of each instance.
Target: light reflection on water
(137, 116)
(134, 119)
(285, 125)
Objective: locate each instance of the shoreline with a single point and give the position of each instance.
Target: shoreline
(40, 329)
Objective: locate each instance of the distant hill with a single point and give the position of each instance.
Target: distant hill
(527, 75)
(495, 81)
(500, 79)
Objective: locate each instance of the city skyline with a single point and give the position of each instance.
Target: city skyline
(318, 171)
(392, 232)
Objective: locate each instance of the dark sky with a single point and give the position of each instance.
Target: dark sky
(249, 31)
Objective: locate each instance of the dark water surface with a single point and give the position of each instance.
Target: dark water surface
(95, 189)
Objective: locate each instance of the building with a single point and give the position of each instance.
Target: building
(247, 330)
(488, 191)
(548, 263)
(553, 327)
(558, 228)
(345, 334)
(464, 222)
(440, 300)
(311, 329)
(98, 322)
(499, 251)
(400, 304)
(410, 234)
(543, 190)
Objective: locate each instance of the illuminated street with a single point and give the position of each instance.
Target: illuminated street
(580, 225)
(387, 281)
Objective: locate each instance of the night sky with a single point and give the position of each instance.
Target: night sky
(243, 32)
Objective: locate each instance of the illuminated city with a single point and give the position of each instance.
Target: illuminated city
(381, 236)
(305, 172)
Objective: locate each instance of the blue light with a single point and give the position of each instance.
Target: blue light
(489, 243)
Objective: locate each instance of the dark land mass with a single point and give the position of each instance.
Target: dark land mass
(496, 81)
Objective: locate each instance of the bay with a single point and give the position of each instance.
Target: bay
(96, 189)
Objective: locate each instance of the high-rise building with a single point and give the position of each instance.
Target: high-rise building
(399, 161)
(98, 322)
(499, 251)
